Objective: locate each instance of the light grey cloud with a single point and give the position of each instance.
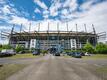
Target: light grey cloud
(37, 10)
(41, 4)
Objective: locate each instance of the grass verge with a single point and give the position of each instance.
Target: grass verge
(28, 55)
(7, 70)
(66, 56)
(102, 69)
(96, 56)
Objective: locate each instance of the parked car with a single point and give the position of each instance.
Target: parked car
(69, 53)
(7, 52)
(76, 55)
(87, 54)
(11, 51)
(82, 53)
(57, 54)
(36, 52)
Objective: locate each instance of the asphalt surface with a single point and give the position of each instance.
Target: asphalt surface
(58, 68)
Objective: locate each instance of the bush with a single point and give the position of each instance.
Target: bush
(6, 47)
(44, 51)
(19, 48)
(67, 51)
(88, 48)
(101, 48)
(32, 49)
(0, 45)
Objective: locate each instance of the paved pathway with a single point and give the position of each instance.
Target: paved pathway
(57, 68)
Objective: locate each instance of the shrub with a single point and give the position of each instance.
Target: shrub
(19, 48)
(101, 48)
(44, 51)
(6, 46)
(88, 48)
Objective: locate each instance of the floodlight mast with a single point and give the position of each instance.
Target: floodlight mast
(77, 41)
(58, 33)
(68, 35)
(21, 28)
(48, 41)
(11, 34)
(38, 36)
(94, 31)
(29, 34)
(85, 28)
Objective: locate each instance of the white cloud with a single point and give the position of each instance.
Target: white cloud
(2, 1)
(4, 41)
(97, 15)
(71, 4)
(87, 5)
(54, 7)
(46, 14)
(25, 23)
(4, 27)
(5, 9)
(41, 4)
(64, 12)
(37, 10)
(52, 25)
(18, 20)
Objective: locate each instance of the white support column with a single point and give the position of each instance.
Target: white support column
(26, 44)
(33, 43)
(73, 43)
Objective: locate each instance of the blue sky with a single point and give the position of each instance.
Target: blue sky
(43, 11)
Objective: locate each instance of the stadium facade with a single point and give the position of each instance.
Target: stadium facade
(45, 40)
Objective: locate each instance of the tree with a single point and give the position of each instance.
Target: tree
(19, 48)
(101, 48)
(88, 48)
(0, 45)
(6, 46)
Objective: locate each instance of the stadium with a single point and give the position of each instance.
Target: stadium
(48, 39)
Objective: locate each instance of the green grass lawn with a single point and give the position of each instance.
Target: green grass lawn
(27, 55)
(7, 70)
(66, 56)
(102, 69)
(96, 56)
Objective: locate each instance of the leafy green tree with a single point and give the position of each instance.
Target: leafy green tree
(44, 52)
(6, 46)
(101, 48)
(88, 48)
(0, 45)
(19, 48)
